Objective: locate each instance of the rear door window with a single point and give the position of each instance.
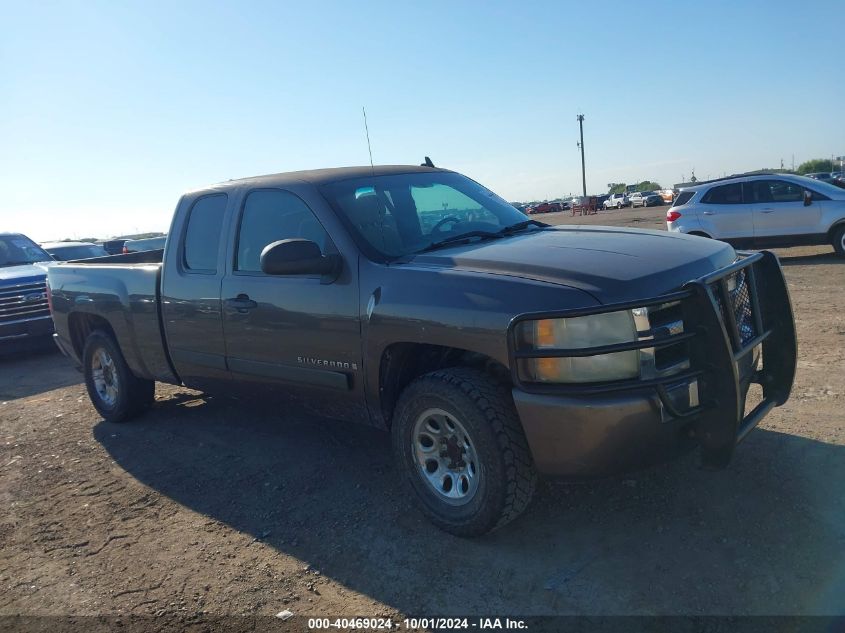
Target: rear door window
(724, 194)
(202, 235)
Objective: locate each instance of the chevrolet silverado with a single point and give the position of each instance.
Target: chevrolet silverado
(492, 347)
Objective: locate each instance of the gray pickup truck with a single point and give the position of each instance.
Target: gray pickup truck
(493, 347)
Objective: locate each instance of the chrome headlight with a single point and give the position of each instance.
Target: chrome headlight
(579, 333)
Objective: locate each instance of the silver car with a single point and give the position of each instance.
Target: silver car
(762, 211)
(645, 199)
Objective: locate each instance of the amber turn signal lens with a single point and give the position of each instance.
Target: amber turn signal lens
(544, 333)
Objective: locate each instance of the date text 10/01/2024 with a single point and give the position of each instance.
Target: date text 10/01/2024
(481, 624)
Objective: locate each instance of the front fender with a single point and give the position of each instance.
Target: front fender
(471, 311)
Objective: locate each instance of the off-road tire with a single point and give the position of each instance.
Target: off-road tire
(485, 408)
(133, 394)
(839, 241)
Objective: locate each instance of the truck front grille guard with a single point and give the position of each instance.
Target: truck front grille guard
(717, 338)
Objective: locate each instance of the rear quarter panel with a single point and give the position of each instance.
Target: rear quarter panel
(126, 296)
(832, 213)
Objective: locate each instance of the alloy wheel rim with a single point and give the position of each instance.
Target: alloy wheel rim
(104, 374)
(445, 456)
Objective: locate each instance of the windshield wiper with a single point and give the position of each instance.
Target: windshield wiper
(519, 226)
(504, 232)
(454, 239)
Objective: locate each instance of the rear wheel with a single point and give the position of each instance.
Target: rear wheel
(457, 436)
(115, 391)
(839, 241)
(618, 205)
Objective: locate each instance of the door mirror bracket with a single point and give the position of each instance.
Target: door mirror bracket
(808, 198)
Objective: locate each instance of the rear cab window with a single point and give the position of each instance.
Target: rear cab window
(202, 234)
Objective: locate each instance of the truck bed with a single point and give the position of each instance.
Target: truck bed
(120, 293)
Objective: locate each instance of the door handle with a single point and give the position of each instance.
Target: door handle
(242, 303)
(707, 213)
(766, 210)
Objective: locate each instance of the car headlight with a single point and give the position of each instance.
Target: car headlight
(579, 333)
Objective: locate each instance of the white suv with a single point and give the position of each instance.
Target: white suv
(762, 211)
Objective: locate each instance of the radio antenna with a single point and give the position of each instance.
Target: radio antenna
(367, 132)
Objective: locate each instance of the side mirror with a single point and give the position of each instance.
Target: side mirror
(808, 198)
(299, 257)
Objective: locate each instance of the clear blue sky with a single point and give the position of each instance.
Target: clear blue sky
(109, 110)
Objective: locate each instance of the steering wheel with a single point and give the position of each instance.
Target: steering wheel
(450, 218)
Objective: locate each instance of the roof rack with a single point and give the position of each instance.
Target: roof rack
(744, 175)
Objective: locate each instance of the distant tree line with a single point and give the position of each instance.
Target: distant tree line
(817, 165)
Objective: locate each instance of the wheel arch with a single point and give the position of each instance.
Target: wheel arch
(402, 362)
(835, 227)
(80, 326)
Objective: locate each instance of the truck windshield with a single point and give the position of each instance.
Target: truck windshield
(401, 214)
(16, 250)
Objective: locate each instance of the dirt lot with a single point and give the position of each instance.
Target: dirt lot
(204, 505)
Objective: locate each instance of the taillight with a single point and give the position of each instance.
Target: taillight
(671, 216)
(49, 294)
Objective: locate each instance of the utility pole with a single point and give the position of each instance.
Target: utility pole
(581, 145)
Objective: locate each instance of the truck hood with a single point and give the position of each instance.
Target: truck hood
(612, 264)
(12, 275)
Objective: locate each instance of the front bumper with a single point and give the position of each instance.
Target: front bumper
(21, 331)
(599, 428)
(588, 437)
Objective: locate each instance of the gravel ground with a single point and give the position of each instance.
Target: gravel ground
(208, 505)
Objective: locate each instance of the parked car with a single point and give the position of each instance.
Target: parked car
(763, 211)
(24, 313)
(545, 207)
(600, 201)
(65, 251)
(616, 200)
(114, 247)
(822, 175)
(668, 195)
(645, 199)
(492, 349)
(146, 244)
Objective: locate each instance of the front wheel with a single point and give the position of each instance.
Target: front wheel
(458, 439)
(115, 391)
(839, 241)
